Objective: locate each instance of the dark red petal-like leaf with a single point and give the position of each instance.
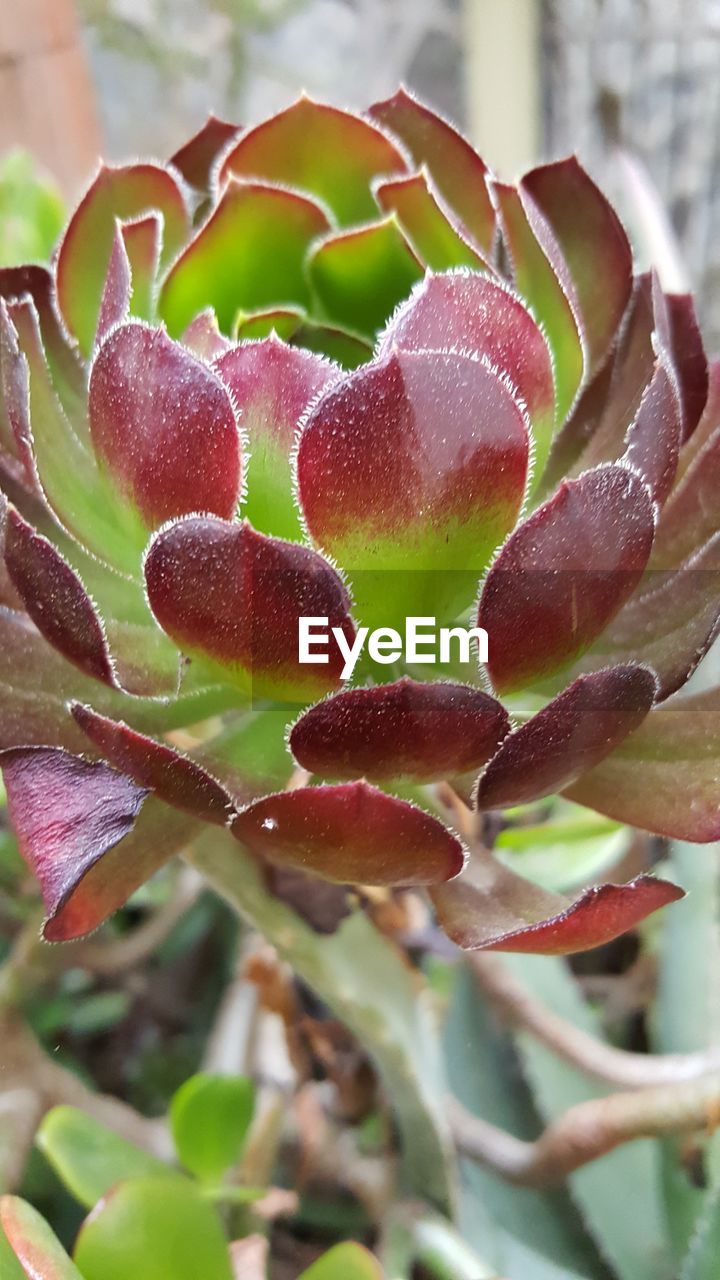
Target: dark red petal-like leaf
(55, 599)
(564, 574)
(67, 813)
(115, 299)
(319, 149)
(272, 385)
(470, 312)
(570, 735)
(692, 513)
(360, 276)
(232, 595)
(351, 834)
(670, 622)
(653, 441)
(155, 766)
(666, 776)
(623, 379)
(679, 335)
(65, 365)
(489, 908)
(707, 425)
(203, 337)
(196, 158)
(163, 424)
(433, 233)
(538, 283)
(419, 731)
(457, 170)
(249, 254)
(414, 467)
(123, 193)
(586, 245)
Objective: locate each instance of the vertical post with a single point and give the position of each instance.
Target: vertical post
(47, 102)
(503, 82)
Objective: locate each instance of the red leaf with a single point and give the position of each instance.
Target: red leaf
(586, 244)
(413, 466)
(489, 908)
(143, 240)
(653, 441)
(564, 574)
(679, 335)
(156, 767)
(272, 384)
(692, 513)
(65, 364)
(666, 776)
(203, 337)
(232, 595)
(320, 149)
(115, 300)
(196, 158)
(419, 731)
(351, 834)
(56, 599)
(164, 425)
(67, 813)
(456, 169)
(574, 732)
(469, 312)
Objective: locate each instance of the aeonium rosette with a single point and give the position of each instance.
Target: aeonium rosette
(329, 367)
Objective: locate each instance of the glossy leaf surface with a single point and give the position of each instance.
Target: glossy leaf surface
(360, 276)
(350, 834)
(210, 1116)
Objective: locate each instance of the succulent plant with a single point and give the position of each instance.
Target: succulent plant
(329, 367)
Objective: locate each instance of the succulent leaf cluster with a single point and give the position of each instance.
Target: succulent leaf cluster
(329, 366)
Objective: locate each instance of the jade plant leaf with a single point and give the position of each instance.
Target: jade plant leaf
(34, 1244)
(89, 1158)
(210, 1116)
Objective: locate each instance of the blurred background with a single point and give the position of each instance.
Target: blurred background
(528, 79)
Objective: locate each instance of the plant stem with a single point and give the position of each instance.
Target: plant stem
(614, 1066)
(367, 983)
(588, 1130)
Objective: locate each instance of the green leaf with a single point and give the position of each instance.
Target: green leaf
(359, 277)
(347, 1261)
(154, 1228)
(40, 1254)
(88, 1158)
(10, 1268)
(210, 1117)
(510, 1225)
(601, 1189)
(31, 211)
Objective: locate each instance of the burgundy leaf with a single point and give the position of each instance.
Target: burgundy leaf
(203, 337)
(196, 158)
(489, 908)
(351, 834)
(707, 425)
(586, 245)
(155, 766)
(679, 334)
(570, 735)
(419, 731)
(471, 312)
(319, 903)
(272, 384)
(692, 513)
(65, 365)
(666, 776)
(232, 595)
(56, 599)
(67, 813)
(163, 424)
(653, 441)
(413, 467)
(456, 169)
(669, 624)
(564, 574)
(143, 240)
